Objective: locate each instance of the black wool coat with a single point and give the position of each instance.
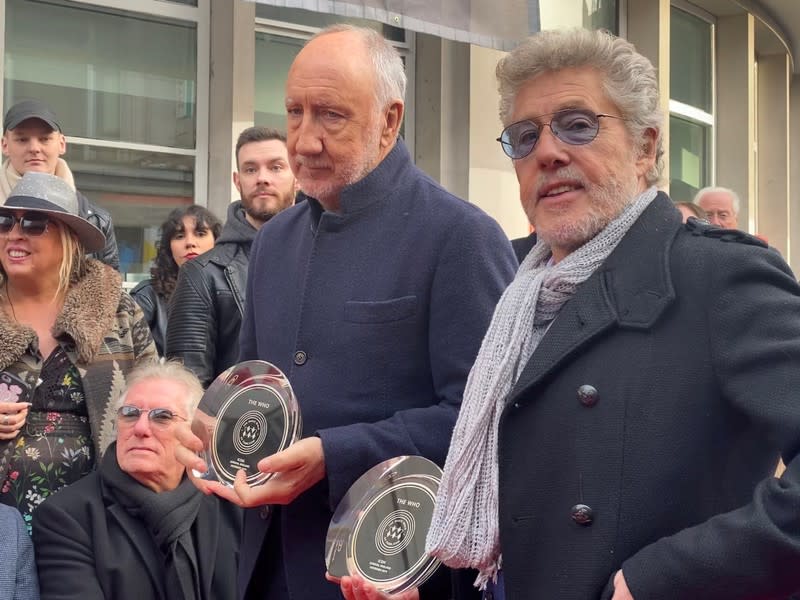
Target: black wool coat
(89, 547)
(644, 431)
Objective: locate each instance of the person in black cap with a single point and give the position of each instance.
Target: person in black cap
(69, 335)
(32, 141)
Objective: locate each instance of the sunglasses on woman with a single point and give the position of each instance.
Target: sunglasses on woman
(30, 223)
(574, 126)
(157, 416)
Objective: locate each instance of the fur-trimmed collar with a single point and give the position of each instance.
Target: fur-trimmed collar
(89, 311)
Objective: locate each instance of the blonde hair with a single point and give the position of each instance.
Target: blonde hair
(73, 259)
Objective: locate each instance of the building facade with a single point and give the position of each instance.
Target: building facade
(153, 93)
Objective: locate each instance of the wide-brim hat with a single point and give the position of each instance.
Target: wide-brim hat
(53, 196)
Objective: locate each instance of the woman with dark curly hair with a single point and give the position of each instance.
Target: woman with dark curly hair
(188, 232)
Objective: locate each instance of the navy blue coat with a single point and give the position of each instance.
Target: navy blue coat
(689, 337)
(376, 315)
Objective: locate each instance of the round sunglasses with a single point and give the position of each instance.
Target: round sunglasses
(157, 416)
(574, 126)
(29, 223)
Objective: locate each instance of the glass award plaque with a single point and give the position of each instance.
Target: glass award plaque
(248, 413)
(380, 526)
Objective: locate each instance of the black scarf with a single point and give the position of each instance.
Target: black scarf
(168, 516)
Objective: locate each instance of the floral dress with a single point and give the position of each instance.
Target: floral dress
(54, 447)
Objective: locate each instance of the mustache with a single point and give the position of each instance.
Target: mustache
(569, 173)
(311, 163)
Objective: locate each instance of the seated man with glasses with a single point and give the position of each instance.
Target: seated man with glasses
(137, 527)
(621, 425)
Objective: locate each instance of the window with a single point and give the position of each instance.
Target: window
(691, 104)
(274, 55)
(591, 14)
(124, 86)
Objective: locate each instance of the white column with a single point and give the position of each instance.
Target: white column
(492, 182)
(735, 112)
(648, 30)
(773, 150)
(232, 94)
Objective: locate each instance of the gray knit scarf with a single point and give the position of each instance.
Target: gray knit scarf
(464, 531)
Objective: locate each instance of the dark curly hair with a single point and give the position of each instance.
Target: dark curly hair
(164, 272)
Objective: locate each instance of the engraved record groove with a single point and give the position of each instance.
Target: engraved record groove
(378, 530)
(395, 532)
(248, 412)
(403, 560)
(233, 444)
(250, 432)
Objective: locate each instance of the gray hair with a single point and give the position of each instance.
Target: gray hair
(630, 80)
(389, 70)
(169, 370)
(719, 190)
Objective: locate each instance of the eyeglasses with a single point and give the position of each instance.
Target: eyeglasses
(573, 126)
(157, 416)
(29, 223)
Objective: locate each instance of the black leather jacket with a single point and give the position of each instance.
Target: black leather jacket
(154, 308)
(101, 219)
(205, 311)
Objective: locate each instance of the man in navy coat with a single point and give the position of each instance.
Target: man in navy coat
(372, 296)
(620, 430)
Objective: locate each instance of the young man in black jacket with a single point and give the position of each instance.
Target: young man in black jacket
(206, 308)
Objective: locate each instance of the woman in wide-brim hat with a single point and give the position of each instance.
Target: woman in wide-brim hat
(68, 336)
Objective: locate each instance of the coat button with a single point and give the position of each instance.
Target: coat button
(300, 358)
(588, 395)
(263, 512)
(582, 514)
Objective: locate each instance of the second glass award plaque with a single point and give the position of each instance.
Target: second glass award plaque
(379, 528)
(248, 413)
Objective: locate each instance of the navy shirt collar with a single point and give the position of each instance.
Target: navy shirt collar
(373, 187)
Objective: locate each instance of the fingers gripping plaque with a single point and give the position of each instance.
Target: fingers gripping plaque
(378, 530)
(248, 413)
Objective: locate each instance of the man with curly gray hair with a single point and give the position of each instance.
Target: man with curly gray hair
(622, 422)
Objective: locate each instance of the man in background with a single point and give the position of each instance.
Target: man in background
(205, 311)
(721, 206)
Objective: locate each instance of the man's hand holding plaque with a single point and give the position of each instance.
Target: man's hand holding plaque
(376, 539)
(243, 437)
